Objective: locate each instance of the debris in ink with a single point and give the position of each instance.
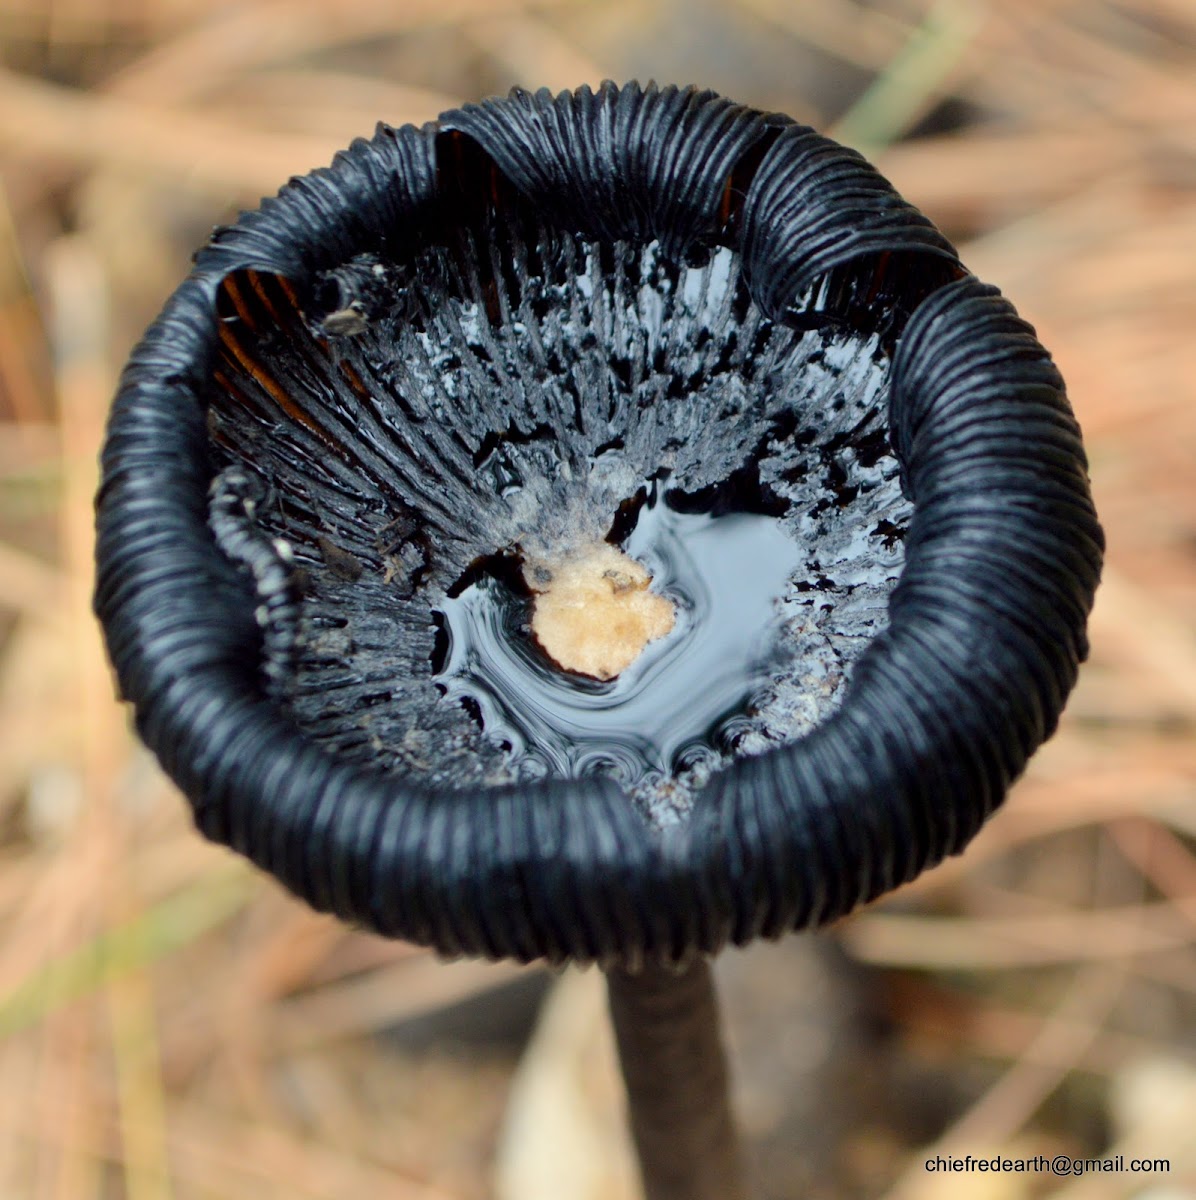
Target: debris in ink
(596, 613)
(722, 583)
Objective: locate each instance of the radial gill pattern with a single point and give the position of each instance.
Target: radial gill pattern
(465, 414)
(647, 318)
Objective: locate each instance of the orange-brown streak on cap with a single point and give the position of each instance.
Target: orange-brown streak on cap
(259, 285)
(878, 276)
(277, 393)
(230, 290)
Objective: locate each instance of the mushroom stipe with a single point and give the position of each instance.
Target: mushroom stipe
(299, 388)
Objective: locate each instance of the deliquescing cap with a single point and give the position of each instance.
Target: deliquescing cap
(463, 336)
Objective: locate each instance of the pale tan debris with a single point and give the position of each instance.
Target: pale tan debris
(594, 612)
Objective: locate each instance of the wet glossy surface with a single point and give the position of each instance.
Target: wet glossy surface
(482, 409)
(728, 576)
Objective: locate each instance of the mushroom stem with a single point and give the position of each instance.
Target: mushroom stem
(670, 1048)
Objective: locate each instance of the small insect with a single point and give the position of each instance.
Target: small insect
(346, 322)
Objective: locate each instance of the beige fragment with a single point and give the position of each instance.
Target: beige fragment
(595, 613)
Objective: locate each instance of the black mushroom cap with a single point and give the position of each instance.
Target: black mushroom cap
(203, 608)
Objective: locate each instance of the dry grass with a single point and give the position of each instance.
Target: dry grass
(170, 1025)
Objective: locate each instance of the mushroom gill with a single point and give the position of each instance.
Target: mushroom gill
(511, 388)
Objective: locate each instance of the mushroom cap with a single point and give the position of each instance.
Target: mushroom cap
(201, 610)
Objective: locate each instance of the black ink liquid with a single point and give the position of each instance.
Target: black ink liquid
(680, 701)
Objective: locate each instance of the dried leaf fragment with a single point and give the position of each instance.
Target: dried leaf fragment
(596, 612)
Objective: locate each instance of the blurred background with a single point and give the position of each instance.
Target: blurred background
(173, 1026)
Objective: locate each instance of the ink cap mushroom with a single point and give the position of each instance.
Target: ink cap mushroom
(703, 345)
